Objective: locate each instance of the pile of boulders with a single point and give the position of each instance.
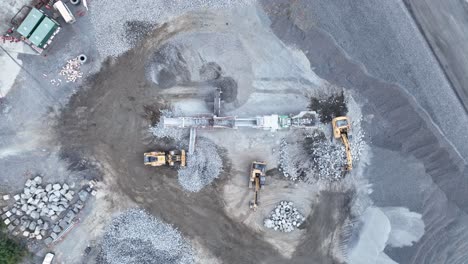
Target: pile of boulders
(285, 217)
(42, 210)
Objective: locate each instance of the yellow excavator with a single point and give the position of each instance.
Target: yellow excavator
(341, 129)
(257, 178)
(159, 158)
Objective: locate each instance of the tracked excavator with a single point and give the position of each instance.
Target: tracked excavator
(341, 129)
(257, 180)
(159, 158)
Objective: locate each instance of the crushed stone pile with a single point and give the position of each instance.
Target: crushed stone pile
(284, 218)
(71, 70)
(326, 158)
(112, 21)
(160, 131)
(203, 166)
(137, 237)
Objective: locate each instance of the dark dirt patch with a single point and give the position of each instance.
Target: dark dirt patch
(167, 67)
(330, 107)
(326, 220)
(228, 88)
(210, 71)
(152, 113)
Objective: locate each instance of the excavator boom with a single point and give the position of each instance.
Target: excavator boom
(349, 158)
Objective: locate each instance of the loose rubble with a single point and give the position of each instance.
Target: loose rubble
(160, 131)
(137, 237)
(327, 158)
(71, 70)
(203, 166)
(42, 210)
(284, 218)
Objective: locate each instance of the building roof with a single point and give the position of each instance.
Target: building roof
(42, 33)
(31, 21)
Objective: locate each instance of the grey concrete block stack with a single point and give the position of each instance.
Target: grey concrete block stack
(42, 210)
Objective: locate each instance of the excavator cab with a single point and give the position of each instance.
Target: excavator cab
(340, 125)
(341, 129)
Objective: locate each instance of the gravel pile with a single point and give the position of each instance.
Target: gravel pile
(203, 166)
(135, 237)
(285, 217)
(111, 20)
(326, 158)
(160, 131)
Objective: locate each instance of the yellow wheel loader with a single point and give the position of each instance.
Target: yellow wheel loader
(341, 129)
(171, 158)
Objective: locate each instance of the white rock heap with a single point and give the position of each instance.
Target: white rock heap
(285, 217)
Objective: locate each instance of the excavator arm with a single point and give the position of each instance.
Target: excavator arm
(254, 203)
(349, 158)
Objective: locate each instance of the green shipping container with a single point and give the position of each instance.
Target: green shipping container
(30, 23)
(43, 32)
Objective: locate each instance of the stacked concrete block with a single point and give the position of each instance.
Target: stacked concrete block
(285, 217)
(43, 212)
(36, 206)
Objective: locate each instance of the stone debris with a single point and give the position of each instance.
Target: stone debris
(6, 197)
(327, 157)
(160, 131)
(284, 218)
(137, 237)
(71, 70)
(203, 166)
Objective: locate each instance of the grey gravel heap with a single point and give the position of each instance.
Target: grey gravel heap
(137, 237)
(284, 218)
(203, 166)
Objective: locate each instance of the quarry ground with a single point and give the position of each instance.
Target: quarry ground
(98, 129)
